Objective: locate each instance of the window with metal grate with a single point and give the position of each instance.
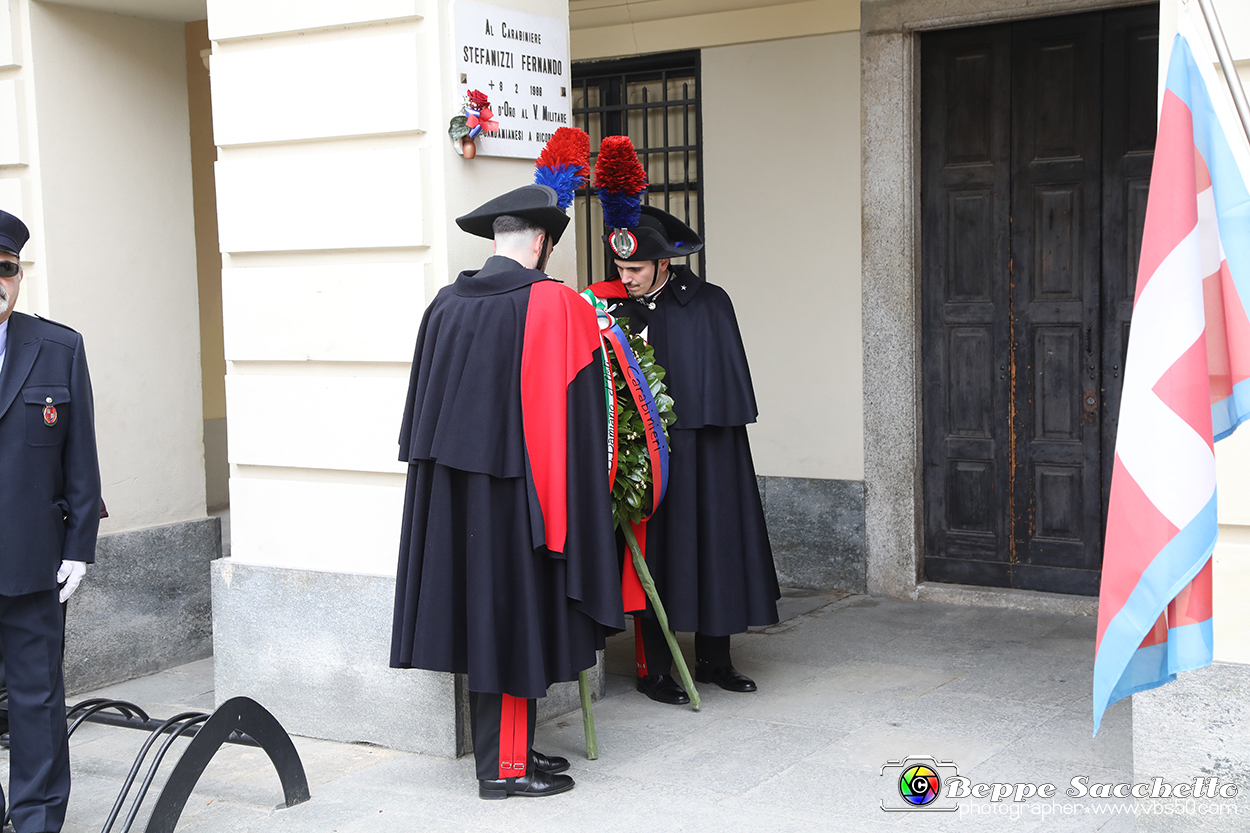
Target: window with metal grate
(653, 99)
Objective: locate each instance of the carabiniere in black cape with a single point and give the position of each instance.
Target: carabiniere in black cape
(478, 591)
(707, 544)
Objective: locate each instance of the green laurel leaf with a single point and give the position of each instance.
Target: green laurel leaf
(459, 128)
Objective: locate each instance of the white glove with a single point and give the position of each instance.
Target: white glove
(71, 574)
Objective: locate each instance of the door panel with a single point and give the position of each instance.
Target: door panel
(1056, 227)
(1036, 144)
(970, 267)
(1059, 503)
(1058, 218)
(966, 155)
(971, 402)
(1056, 362)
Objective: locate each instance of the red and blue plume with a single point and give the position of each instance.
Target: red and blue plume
(564, 165)
(620, 182)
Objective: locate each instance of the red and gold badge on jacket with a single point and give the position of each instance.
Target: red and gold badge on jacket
(49, 415)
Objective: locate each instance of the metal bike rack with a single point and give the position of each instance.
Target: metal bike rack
(239, 720)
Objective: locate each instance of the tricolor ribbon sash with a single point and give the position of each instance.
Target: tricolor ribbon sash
(615, 342)
(644, 400)
(614, 415)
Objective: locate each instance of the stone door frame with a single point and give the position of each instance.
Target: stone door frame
(890, 148)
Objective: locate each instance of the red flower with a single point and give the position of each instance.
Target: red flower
(478, 99)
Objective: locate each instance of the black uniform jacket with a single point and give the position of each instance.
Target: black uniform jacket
(697, 342)
(49, 471)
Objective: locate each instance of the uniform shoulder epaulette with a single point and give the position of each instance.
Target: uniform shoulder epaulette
(57, 323)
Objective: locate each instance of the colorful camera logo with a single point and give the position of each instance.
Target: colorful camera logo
(917, 784)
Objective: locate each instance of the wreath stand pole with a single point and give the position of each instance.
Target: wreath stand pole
(621, 505)
(648, 585)
(588, 716)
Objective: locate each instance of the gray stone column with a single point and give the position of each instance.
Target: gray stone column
(892, 494)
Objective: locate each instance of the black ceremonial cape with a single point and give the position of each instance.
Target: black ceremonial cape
(707, 545)
(507, 563)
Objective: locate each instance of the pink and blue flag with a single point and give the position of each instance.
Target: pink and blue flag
(1186, 385)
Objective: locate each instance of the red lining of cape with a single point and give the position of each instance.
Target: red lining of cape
(561, 337)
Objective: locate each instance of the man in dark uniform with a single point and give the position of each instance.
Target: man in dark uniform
(49, 517)
(706, 546)
(507, 567)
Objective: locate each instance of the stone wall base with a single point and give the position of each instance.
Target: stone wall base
(314, 649)
(816, 528)
(144, 606)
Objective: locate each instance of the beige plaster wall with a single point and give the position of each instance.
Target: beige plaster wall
(111, 106)
(781, 164)
(614, 28)
(320, 318)
(20, 191)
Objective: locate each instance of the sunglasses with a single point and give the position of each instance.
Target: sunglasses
(8, 268)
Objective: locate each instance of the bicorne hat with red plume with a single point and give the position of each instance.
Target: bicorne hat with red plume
(562, 168)
(635, 230)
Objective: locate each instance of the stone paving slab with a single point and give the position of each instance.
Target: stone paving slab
(846, 683)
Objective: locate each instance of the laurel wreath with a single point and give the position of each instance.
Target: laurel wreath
(632, 496)
(632, 489)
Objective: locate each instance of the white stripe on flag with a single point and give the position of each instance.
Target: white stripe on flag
(1212, 250)
(1165, 456)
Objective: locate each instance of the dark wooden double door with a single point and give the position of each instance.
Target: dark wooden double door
(1037, 142)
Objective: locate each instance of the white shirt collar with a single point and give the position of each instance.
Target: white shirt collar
(4, 340)
(650, 296)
